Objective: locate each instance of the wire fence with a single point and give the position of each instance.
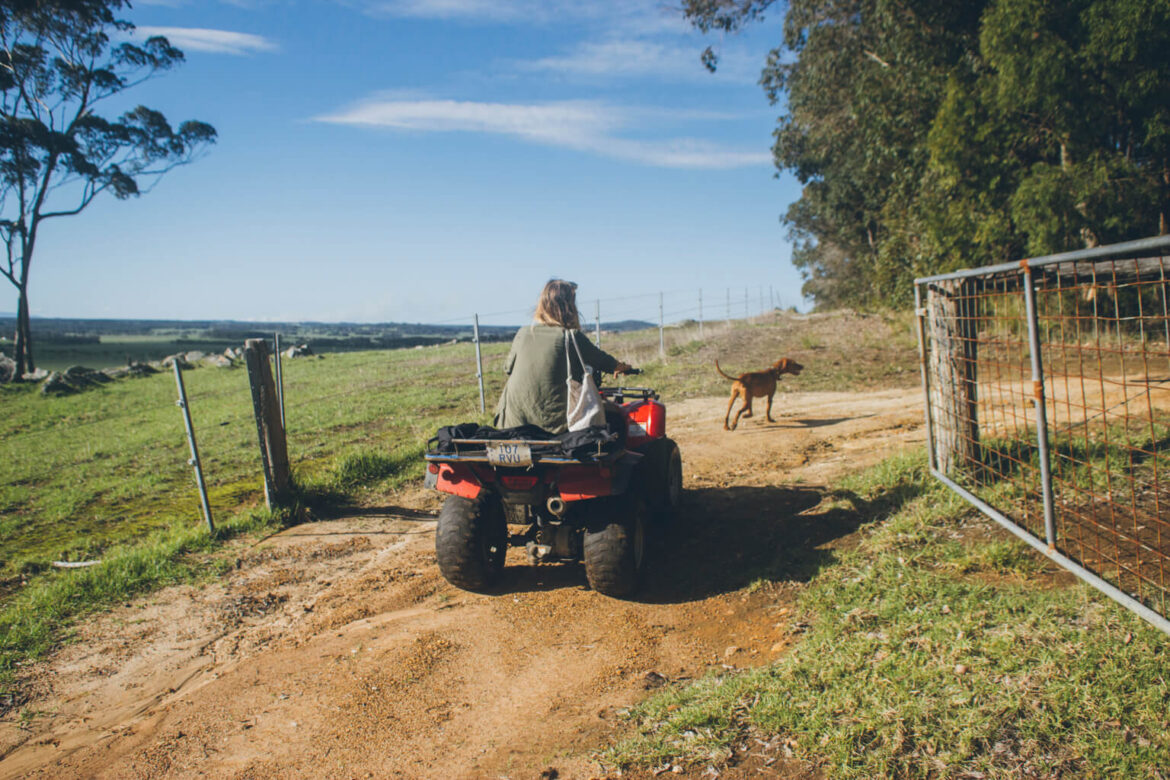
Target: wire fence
(74, 470)
(1047, 388)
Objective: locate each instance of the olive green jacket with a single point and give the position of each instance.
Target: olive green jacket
(535, 393)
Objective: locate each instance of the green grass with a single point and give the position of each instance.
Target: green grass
(80, 473)
(931, 652)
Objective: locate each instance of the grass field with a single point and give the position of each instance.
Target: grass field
(78, 473)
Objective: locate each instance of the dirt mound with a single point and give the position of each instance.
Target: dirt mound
(336, 650)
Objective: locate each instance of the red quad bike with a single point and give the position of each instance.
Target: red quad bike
(596, 508)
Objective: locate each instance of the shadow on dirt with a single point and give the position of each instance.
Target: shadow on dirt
(802, 423)
(380, 512)
(526, 578)
(723, 539)
(726, 538)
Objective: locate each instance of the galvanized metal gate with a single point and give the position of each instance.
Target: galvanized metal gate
(1047, 387)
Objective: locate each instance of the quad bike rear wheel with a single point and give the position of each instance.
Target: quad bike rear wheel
(660, 475)
(471, 541)
(614, 544)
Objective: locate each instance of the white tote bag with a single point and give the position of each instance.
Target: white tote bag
(584, 402)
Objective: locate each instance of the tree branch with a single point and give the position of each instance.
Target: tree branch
(86, 198)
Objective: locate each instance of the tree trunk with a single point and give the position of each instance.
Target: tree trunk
(23, 317)
(28, 345)
(20, 346)
(1163, 229)
(953, 356)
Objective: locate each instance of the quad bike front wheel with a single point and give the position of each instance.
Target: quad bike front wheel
(614, 544)
(471, 541)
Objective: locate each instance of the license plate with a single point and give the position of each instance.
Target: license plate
(509, 454)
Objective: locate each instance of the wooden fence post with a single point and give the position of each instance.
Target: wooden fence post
(953, 356)
(273, 446)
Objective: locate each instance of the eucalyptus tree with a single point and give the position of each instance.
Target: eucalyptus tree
(1056, 130)
(931, 134)
(859, 82)
(59, 61)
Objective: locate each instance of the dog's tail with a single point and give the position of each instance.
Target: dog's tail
(725, 374)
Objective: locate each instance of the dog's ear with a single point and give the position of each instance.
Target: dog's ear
(780, 366)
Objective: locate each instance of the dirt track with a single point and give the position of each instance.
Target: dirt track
(336, 650)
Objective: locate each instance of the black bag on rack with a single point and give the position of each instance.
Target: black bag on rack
(444, 440)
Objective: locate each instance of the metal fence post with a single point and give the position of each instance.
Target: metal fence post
(182, 404)
(700, 314)
(1038, 400)
(479, 366)
(745, 303)
(661, 334)
(920, 316)
(597, 321)
(728, 305)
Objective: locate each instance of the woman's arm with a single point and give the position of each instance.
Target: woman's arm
(597, 358)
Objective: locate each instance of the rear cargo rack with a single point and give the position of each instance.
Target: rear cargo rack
(620, 395)
(477, 451)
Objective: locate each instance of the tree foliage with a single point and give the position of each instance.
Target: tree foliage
(935, 134)
(59, 60)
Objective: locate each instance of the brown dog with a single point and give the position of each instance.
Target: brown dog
(756, 384)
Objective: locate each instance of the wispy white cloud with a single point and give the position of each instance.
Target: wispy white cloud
(619, 58)
(633, 17)
(491, 10)
(580, 125)
(624, 38)
(566, 123)
(643, 58)
(211, 41)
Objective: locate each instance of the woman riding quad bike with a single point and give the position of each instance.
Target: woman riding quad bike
(587, 494)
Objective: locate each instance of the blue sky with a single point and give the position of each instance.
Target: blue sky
(421, 160)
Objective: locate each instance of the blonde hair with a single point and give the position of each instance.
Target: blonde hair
(558, 305)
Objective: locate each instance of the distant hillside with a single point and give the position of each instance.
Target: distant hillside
(101, 343)
(231, 329)
(352, 333)
(624, 325)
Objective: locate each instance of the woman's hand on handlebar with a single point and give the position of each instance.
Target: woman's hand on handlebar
(625, 368)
